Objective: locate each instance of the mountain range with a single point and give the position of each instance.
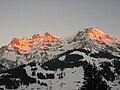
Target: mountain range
(47, 62)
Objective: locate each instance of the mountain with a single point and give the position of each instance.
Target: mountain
(101, 36)
(46, 62)
(28, 43)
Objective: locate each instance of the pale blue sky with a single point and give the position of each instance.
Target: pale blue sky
(20, 18)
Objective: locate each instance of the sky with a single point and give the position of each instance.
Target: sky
(62, 18)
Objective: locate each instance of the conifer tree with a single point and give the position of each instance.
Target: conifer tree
(92, 79)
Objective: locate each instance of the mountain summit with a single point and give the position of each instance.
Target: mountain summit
(27, 43)
(99, 35)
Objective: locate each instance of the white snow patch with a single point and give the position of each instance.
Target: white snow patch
(62, 58)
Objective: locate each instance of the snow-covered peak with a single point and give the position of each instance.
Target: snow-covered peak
(27, 43)
(96, 34)
(51, 36)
